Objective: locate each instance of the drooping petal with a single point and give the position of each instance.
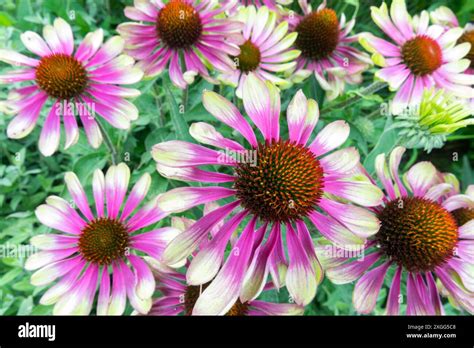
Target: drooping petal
(142, 306)
(224, 290)
(78, 301)
(350, 271)
(277, 260)
(393, 301)
(415, 303)
(145, 282)
(275, 309)
(118, 296)
(185, 243)
(300, 277)
(368, 287)
(257, 273)
(104, 293)
(50, 134)
(208, 260)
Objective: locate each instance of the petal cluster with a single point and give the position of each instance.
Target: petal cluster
(62, 260)
(243, 272)
(423, 295)
(420, 55)
(105, 67)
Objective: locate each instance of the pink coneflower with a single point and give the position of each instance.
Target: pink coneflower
(265, 50)
(88, 80)
(446, 18)
(177, 30)
(278, 183)
(419, 239)
(422, 55)
(178, 298)
(94, 248)
(326, 50)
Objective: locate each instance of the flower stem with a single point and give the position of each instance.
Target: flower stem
(460, 137)
(108, 143)
(184, 99)
(371, 89)
(159, 106)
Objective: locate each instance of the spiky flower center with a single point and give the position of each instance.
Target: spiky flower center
(192, 294)
(249, 57)
(417, 233)
(463, 215)
(468, 36)
(179, 24)
(284, 185)
(422, 55)
(318, 34)
(61, 76)
(103, 240)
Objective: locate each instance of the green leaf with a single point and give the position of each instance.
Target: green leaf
(6, 20)
(179, 123)
(10, 275)
(26, 306)
(467, 177)
(387, 141)
(86, 165)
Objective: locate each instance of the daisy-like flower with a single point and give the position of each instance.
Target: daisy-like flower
(77, 83)
(421, 55)
(178, 298)
(445, 17)
(180, 34)
(419, 239)
(437, 116)
(265, 50)
(100, 249)
(278, 184)
(325, 45)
